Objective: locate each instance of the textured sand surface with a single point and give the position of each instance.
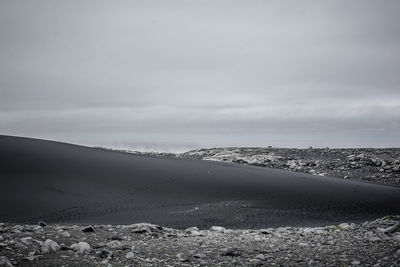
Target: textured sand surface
(58, 182)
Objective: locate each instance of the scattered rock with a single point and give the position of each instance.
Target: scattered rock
(105, 253)
(65, 234)
(42, 223)
(261, 257)
(344, 226)
(49, 246)
(130, 255)
(199, 256)
(193, 231)
(88, 229)
(231, 253)
(27, 240)
(396, 237)
(372, 242)
(81, 247)
(371, 236)
(115, 237)
(115, 244)
(217, 229)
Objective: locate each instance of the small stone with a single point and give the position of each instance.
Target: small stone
(115, 237)
(396, 237)
(20, 246)
(27, 240)
(81, 247)
(344, 226)
(261, 257)
(42, 223)
(199, 256)
(231, 253)
(105, 253)
(217, 229)
(66, 234)
(49, 246)
(38, 229)
(130, 255)
(355, 263)
(191, 229)
(371, 236)
(64, 247)
(115, 244)
(88, 229)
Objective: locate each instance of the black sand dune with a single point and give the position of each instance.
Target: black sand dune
(58, 182)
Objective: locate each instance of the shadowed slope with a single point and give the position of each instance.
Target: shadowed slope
(58, 182)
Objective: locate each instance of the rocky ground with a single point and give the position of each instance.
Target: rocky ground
(378, 165)
(375, 243)
(374, 165)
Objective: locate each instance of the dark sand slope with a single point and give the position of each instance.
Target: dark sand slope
(57, 182)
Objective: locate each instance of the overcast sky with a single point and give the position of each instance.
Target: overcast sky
(174, 75)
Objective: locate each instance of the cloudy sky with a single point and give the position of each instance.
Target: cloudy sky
(174, 75)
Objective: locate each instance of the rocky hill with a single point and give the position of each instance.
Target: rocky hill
(380, 165)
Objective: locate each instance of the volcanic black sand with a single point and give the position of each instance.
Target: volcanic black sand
(64, 183)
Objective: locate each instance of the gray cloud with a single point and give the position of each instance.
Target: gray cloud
(201, 73)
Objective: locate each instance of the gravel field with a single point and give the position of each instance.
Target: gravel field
(374, 243)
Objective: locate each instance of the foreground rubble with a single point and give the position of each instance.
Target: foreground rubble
(375, 243)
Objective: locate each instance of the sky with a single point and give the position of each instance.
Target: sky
(177, 75)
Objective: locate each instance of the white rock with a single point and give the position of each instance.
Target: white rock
(38, 229)
(49, 246)
(371, 236)
(27, 240)
(81, 247)
(191, 229)
(130, 255)
(345, 226)
(396, 237)
(217, 229)
(355, 262)
(261, 257)
(65, 234)
(115, 244)
(303, 244)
